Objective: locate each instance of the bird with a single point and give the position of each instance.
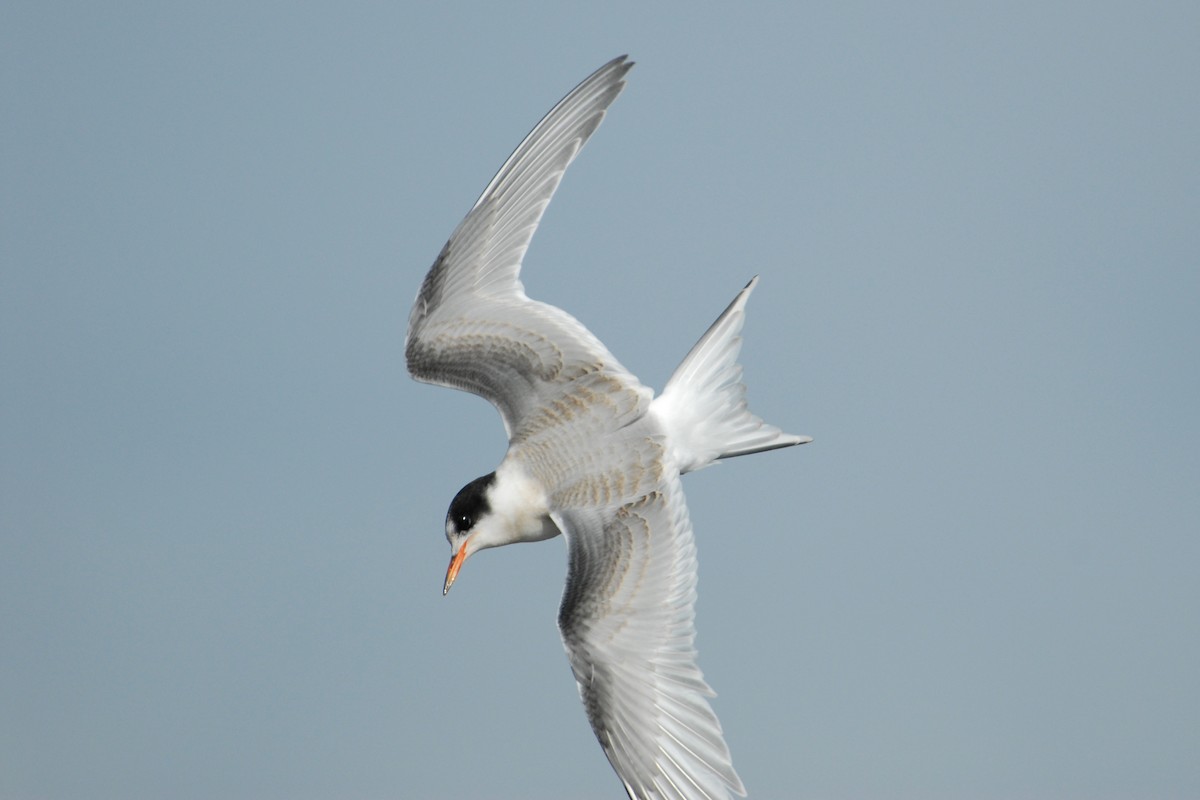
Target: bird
(595, 456)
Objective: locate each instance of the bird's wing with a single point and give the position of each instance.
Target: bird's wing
(471, 326)
(627, 624)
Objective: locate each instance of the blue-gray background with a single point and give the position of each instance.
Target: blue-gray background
(978, 230)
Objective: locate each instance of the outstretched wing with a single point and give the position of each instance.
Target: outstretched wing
(627, 624)
(471, 326)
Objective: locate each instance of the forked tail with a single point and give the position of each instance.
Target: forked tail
(703, 406)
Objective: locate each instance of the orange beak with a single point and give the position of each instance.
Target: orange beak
(456, 563)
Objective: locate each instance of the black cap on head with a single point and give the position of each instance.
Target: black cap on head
(469, 505)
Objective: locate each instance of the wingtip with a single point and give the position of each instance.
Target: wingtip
(621, 65)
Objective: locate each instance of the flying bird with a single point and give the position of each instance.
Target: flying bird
(595, 456)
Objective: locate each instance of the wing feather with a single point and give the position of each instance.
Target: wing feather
(627, 621)
(471, 326)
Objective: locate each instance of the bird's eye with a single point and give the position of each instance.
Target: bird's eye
(469, 506)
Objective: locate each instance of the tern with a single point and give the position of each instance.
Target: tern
(595, 456)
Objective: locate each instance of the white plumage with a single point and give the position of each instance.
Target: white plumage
(593, 455)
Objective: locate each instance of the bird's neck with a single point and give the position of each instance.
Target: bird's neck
(521, 505)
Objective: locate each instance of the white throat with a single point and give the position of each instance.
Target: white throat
(520, 510)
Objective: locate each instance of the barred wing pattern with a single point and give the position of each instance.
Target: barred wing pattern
(627, 624)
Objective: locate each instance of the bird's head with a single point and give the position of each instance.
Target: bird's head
(500, 508)
(467, 523)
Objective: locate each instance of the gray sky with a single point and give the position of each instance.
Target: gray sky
(221, 497)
